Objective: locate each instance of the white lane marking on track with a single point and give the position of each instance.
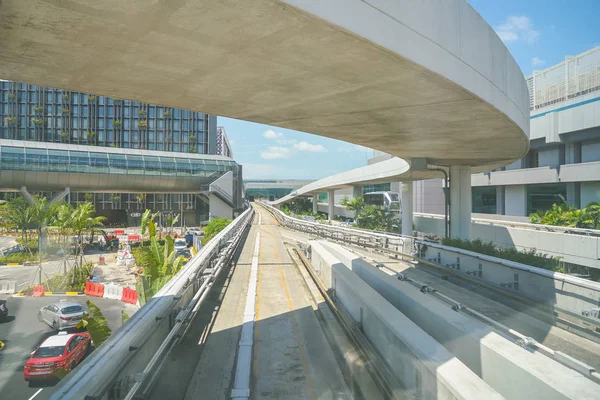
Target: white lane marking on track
(36, 393)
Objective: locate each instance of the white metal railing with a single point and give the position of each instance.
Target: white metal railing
(573, 77)
(128, 362)
(391, 241)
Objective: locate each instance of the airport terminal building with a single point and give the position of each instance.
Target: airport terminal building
(563, 162)
(123, 155)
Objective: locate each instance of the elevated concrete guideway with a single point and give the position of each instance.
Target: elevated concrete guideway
(412, 78)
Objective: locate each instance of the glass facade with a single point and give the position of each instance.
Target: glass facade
(28, 159)
(43, 114)
(31, 112)
(542, 197)
(484, 199)
(378, 187)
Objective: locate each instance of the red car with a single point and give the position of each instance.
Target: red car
(59, 352)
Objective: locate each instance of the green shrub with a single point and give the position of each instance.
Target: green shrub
(213, 228)
(527, 257)
(20, 257)
(74, 281)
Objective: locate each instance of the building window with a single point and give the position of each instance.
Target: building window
(484, 199)
(542, 197)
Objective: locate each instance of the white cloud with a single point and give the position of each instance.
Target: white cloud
(271, 134)
(274, 152)
(286, 141)
(305, 146)
(537, 62)
(517, 28)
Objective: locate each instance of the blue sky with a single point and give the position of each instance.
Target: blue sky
(539, 34)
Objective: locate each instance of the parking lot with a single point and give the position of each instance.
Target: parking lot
(22, 333)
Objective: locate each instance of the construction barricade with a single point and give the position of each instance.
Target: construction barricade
(38, 291)
(94, 289)
(8, 287)
(112, 291)
(129, 296)
(134, 238)
(119, 232)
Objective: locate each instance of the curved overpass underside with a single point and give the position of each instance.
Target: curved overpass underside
(412, 78)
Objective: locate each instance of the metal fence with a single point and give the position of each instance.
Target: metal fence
(127, 364)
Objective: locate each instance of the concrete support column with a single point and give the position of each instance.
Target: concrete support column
(574, 194)
(331, 203)
(407, 208)
(356, 191)
(315, 201)
(500, 200)
(460, 202)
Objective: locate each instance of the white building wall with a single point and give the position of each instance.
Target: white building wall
(515, 200)
(218, 208)
(590, 192)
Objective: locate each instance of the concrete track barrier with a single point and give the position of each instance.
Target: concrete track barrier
(424, 368)
(513, 371)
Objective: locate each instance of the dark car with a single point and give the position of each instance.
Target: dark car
(3, 310)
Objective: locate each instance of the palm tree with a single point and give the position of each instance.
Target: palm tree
(19, 215)
(83, 220)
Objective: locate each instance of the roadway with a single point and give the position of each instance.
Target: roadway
(25, 274)
(22, 333)
(291, 356)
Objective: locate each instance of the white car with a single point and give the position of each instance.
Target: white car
(180, 244)
(61, 315)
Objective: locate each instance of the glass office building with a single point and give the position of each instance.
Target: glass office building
(42, 114)
(31, 112)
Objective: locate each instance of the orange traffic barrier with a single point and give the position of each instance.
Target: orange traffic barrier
(99, 289)
(38, 291)
(88, 288)
(129, 296)
(119, 232)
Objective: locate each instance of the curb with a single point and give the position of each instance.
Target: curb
(51, 294)
(22, 265)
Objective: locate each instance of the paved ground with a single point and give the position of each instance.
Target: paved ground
(23, 333)
(28, 273)
(291, 360)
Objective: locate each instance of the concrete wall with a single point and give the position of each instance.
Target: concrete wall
(428, 196)
(514, 372)
(515, 200)
(218, 208)
(423, 368)
(575, 249)
(567, 292)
